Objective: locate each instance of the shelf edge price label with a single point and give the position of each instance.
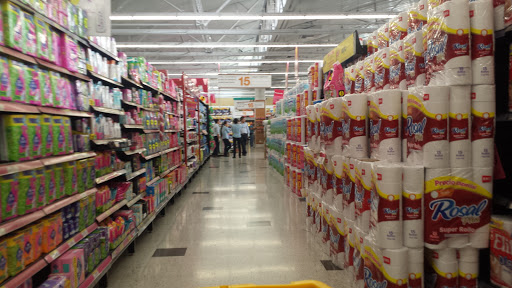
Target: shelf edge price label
(244, 81)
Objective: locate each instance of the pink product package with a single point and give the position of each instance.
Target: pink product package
(71, 265)
(337, 78)
(1, 30)
(69, 53)
(56, 46)
(29, 32)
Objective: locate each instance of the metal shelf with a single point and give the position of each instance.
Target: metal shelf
(111, 211)
(103, 79)
(135, 174)
(110, 176)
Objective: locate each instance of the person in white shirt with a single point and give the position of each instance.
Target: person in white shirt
(216, 135)
(245, 134)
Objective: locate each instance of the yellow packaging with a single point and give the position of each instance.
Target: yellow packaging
(28, 246)
(15, 254)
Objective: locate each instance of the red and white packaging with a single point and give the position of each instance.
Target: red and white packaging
(337, 238)
(359, 236)
(427, 126)
(383, 36)
(483, 114)
(417, 17)
(397, 66)
(384, 267)
(501, 250)
(457, 208)
(499, 14)
(362, 194)
(468, 267)
(352, 79)
(310, 127)
(347, 186)
(381, 64)
(373, 45)
(414, 60)
(415, 268)
(460, 126)
(355, 140)
(384, 117)
(481, 14)
(349, 246)
(449, 60)
(360, 78)
(331, 126)
(442, 268)
(369, 71)
(398, 27)
(412, 206)
(338, 181)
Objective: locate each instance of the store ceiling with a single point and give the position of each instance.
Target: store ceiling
(241, 31)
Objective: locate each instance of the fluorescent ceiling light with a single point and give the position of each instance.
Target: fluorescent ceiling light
(231, 62)
(245, 17)
(251, 73)
(222, 45)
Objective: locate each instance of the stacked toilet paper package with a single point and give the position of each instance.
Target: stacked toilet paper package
(398, 173)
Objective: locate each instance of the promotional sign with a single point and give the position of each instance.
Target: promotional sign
(243, 105)
(98, 12)
(244, 81)
(348, 49)
(212, 99)
(278, 95)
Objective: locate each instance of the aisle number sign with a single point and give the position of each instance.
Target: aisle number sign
(244, 81)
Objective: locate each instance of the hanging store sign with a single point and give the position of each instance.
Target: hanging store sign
(244, 105)
(244, 81)
(348, 49)
(278, 95)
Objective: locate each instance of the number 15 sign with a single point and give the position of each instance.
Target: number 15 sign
(244, 81)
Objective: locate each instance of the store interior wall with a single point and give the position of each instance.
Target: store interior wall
(231, 102)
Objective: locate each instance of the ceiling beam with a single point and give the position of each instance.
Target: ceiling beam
(181, 55)
(235, 31)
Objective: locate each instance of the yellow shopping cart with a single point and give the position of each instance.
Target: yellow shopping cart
(298, 284)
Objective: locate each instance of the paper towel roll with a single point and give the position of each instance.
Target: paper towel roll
(369, 73)
(449, 64)
(457, 241)
(499, 15)
(480, 239)
(445, 255)
(349, 244)
(332, 125)
(397, 66)
(352, 78)
(417, 17)
(482, 50)
(389, 221)
(446, 273)
(398, 27)
(385, 117)
(483, 176)
(383, 36)
(395, 264)
(413, 220)
(388, 173)
(483, 120)
(460, 131)
(435, 143)
(468, 254)
(415, 267)
(381, 64)
(436, 172)
(360, 78)
(355, 139)
(405, 94)
(414, 178)
(414, 59)
(468, 274)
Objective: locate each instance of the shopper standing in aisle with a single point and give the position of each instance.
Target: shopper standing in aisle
(237, 137)
(245, 134)
(225, 138)
(252, 129)
(216, 135)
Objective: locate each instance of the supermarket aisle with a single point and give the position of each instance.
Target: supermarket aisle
(244, 230)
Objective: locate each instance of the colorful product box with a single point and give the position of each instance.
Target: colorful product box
(3, 260)
(15, 253)
(5, 80)
(9, 193)
(72, 265)
(13, 25)
(29, 34)
(40, 188)
(27, 201)
(50, 184)
(70, 178)
(14, 138)
(34, 132)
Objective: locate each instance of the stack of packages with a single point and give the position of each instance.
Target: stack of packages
(400, 169)
(288, 133)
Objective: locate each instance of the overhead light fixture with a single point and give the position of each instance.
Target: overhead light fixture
(246, 17)
(222, 45)
(231, 62)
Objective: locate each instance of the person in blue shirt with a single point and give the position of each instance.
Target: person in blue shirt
(245, 134)
(237, 137)
(225, 138)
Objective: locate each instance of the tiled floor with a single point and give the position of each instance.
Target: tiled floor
(250, 232)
